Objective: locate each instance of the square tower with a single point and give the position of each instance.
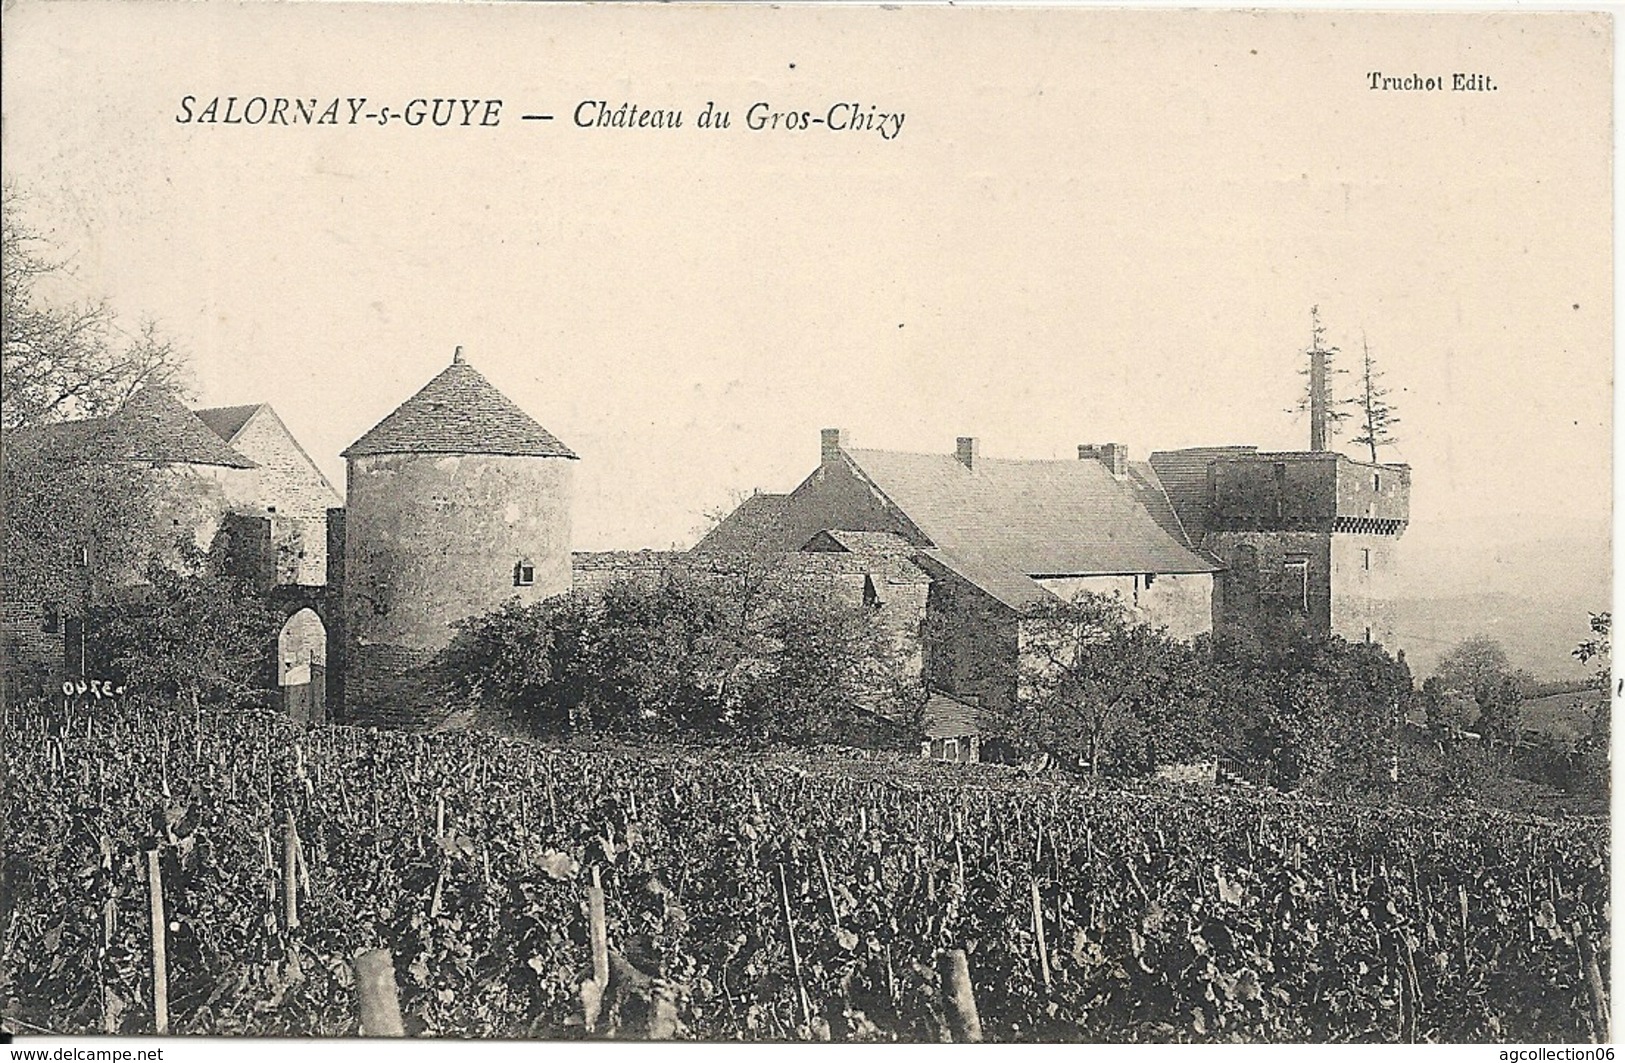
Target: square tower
(1307, 533)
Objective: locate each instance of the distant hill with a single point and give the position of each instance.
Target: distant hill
(1538, 636)
(1529, 582)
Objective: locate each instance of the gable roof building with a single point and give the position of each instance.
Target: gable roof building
(153, 427)
(257, 432)
(1006, 526)
(293, 494)
(995, 539)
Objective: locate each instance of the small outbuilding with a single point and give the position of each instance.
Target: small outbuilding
(951, 730)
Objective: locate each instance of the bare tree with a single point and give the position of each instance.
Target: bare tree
(65, 360)
(1377, 416)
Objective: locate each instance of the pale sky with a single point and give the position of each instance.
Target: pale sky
(1093, 226)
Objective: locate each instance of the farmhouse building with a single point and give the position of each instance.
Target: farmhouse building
(1194, 541)
(995, 537)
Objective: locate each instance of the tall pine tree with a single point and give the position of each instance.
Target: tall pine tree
(1377, 416)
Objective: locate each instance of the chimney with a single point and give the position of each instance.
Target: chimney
(1317, 399)
(831, 441)
(457, 355)
(1112, 455)
(967, 449)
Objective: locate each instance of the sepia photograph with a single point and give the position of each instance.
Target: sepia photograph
(804, 524)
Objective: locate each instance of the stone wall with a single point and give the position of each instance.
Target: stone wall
(30, 648)
(592, 571)
(1365, 579)
(293, 492)
(1275, 491)
(1381, 492)
(1182, 602)
(972, 642)
(1260, 580)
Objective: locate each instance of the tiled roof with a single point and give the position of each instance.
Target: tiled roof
(946, 716)
(757, 525)
(1183, 474)
(1037, 518)
(1154, 497)
(227, 421)
(153, 426)
(459, 412)
(1011, 586)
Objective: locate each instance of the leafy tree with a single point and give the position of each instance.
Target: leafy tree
(826, 658)
(1477, 674)
(187, 631)
(1599, 648)
(1500, 711)
(74, 526)
(1377, 415)
(723, 647)
(1446, 714)
(1471, 665)
(1594, 749)
(515, 661)
(1312, 711)
(1099, 689)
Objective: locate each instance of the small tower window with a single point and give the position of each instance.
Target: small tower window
(1376, 481)
(524, 574)
(1296, 580)
(1365, 559)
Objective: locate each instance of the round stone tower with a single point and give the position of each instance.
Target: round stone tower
(456, 502)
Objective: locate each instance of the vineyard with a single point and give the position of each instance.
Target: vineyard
(756, 898)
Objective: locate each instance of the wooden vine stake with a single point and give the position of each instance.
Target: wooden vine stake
(599, 932)
(1601, 1022)
(957, 993)
(109, 926)
(829, 890)
(160, 964)
(290, 873)
(795, 953)
(380, 1008)
(1038, 931)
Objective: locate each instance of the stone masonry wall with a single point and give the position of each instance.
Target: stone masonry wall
(294, 493)
(1180, 602)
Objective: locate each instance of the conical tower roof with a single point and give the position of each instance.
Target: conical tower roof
(459, 412)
